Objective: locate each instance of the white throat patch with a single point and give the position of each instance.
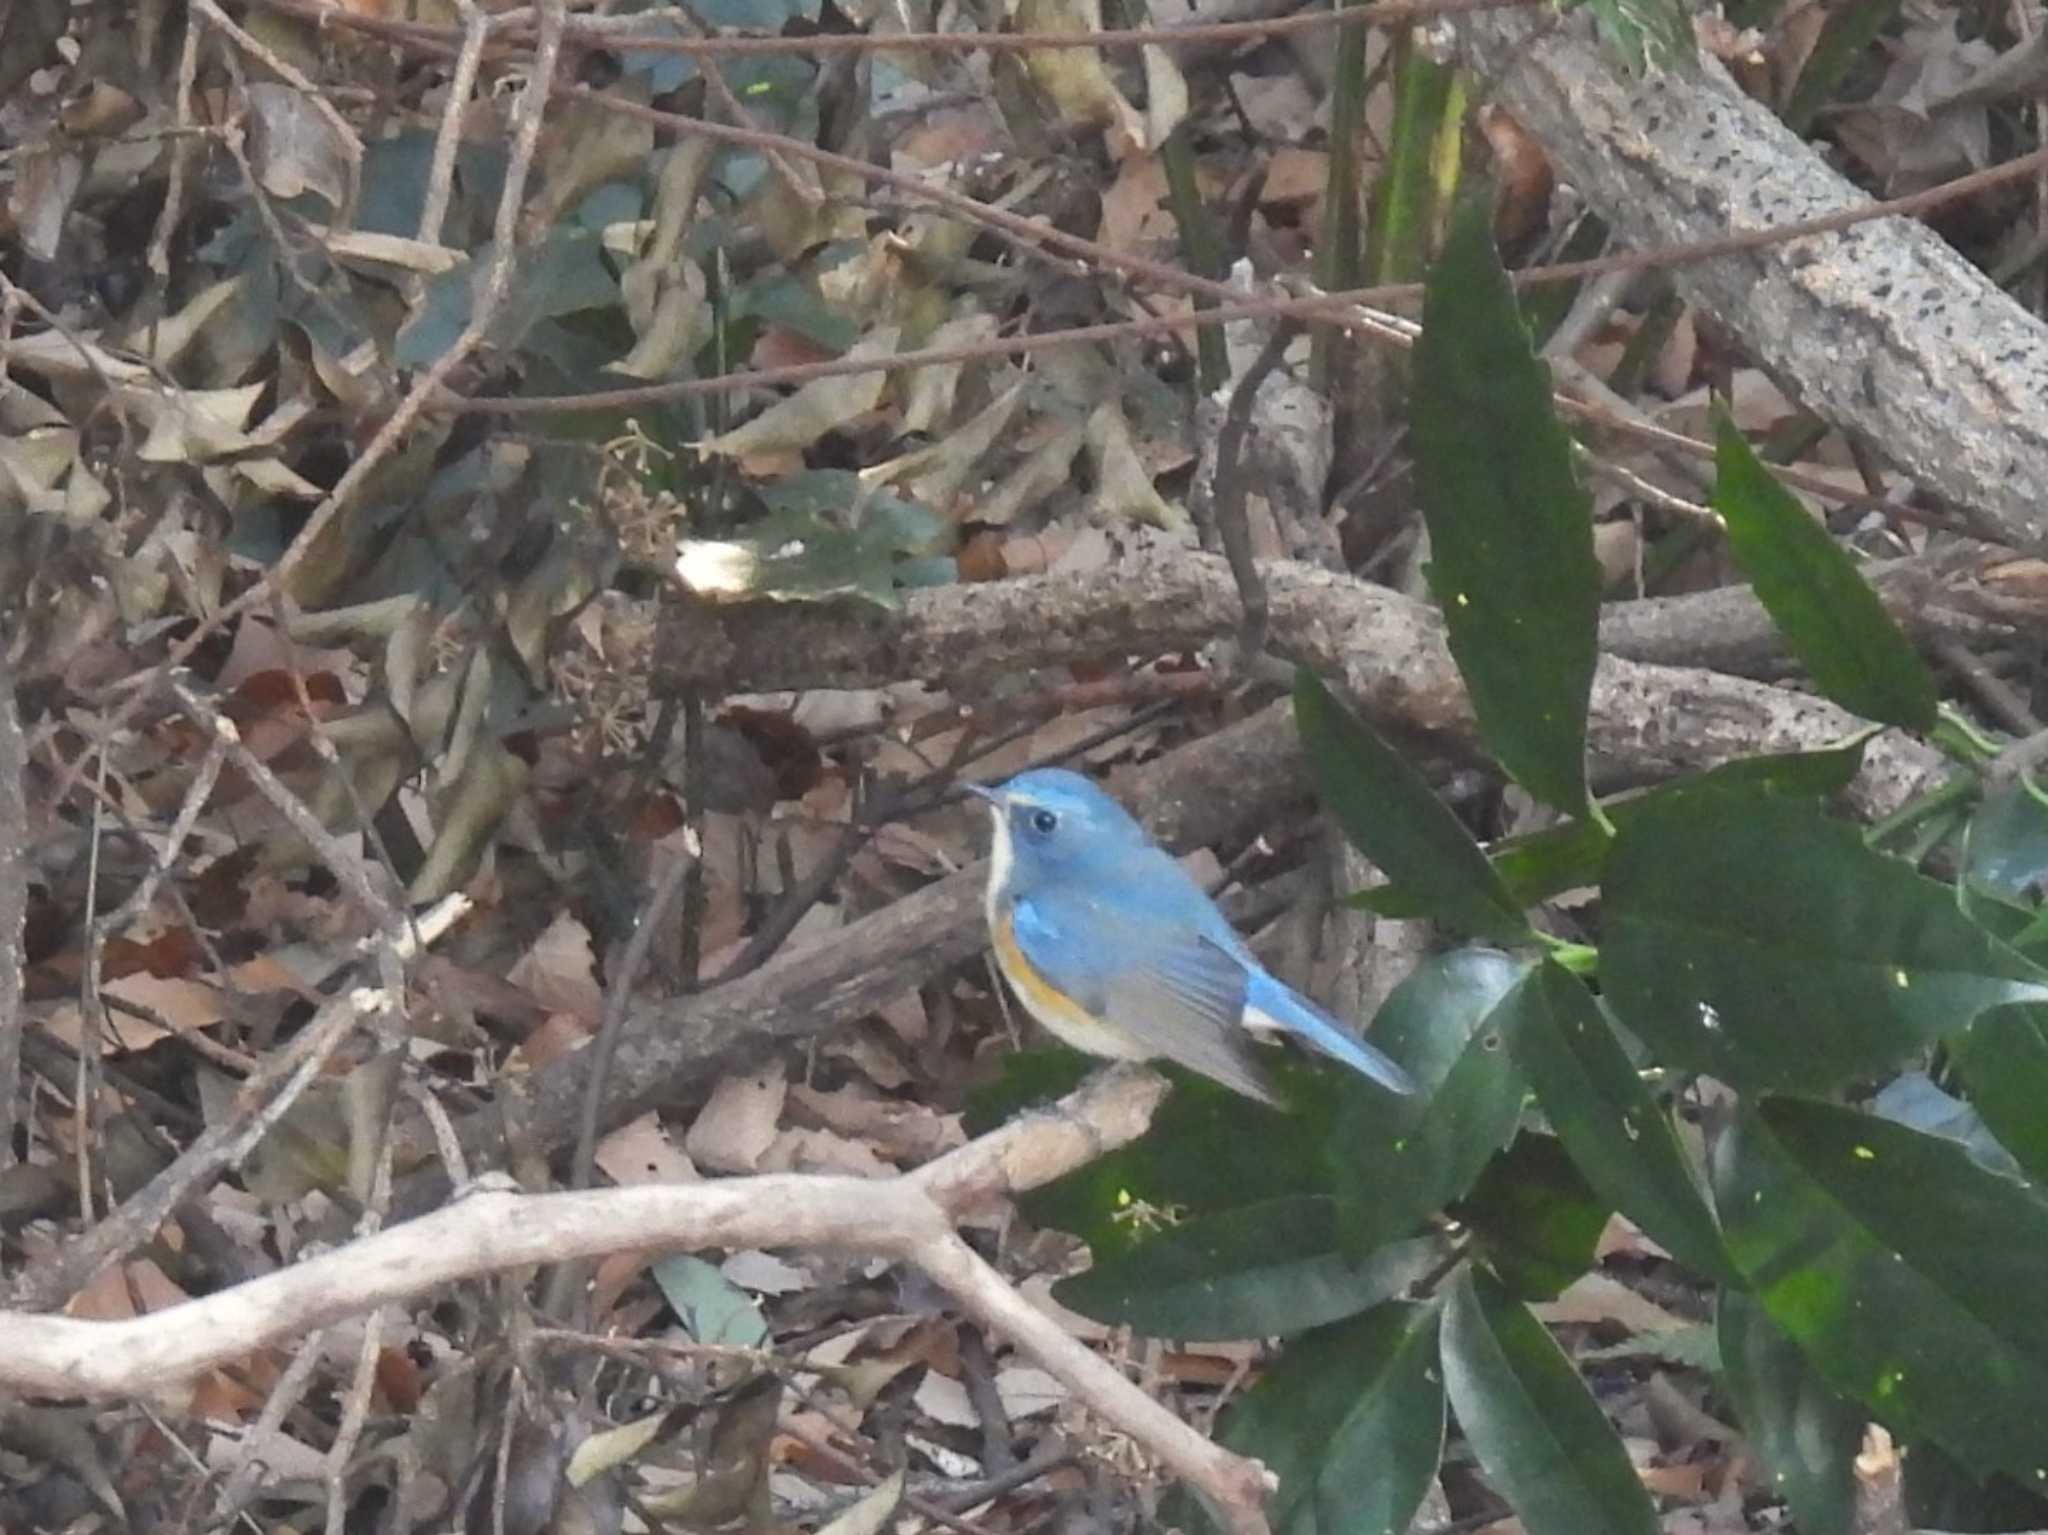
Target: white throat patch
(1000, 858)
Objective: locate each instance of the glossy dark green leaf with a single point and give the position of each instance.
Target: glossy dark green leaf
(1539, 1436)
(1540, 864)
(1379, 1461)
(1351, 1421)
(1900, 1269)
(1395, 1160)
(1806, 1435)
(2004, 1062)
(1190, 1163)
(1536, 1219)
(1262, 1271)
(1617, 1133)
(1820, 602)
(1510, 527)
(1390, 815)
(1753, 938)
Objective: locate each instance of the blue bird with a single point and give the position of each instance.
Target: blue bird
(1109, 943)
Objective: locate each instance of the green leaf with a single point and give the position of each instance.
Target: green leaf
(2003, 1059)
(712, 1309)
(1260, 1271)
(1396, 1160)
(1191, 1163)
(1902, 1270)
(1539, 864)
(1755, 939)
(1615, 1130)
(1414, 182)
(1648, 34)
(1351, 1420)
(1390, 815)
(1813, 592)
(1538, 1434)
(1510, 527)
(1537, 1221)
(1806, 1435)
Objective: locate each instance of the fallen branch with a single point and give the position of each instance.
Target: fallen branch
(1881, 329)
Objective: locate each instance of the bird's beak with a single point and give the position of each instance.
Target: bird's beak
(993, 796)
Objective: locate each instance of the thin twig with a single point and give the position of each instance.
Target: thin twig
(617, 1006)
(14, 845)
(1232, 526)
(476, 28)
(173, 210)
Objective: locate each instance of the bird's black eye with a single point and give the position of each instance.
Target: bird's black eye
(1044, 822)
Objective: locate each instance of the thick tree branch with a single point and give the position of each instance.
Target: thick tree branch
(1145, 607)
(1881, 329)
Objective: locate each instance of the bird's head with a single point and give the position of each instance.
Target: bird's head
(1051, 824)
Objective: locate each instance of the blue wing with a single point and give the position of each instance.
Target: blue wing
(1158, 986)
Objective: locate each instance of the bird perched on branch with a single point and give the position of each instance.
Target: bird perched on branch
(1111, 945)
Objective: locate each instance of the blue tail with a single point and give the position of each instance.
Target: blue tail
(1269, 1002)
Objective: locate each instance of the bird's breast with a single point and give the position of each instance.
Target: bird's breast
(1052, 1007)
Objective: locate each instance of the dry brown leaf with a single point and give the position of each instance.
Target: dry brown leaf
(947, 138)
(820, 1151)
(1594, 1297)
(181, 1004)
(590, 147)
(191, 425)
(820, 406)
(1905, 143)
(1048, 469)
(1123, 487)
(559, 971)
(1135, 215)
(294, 147)
(736, 1128)
(902, 1131)
(642, 1151)
(872, 1058)
(556, 1036)
(677, 326)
